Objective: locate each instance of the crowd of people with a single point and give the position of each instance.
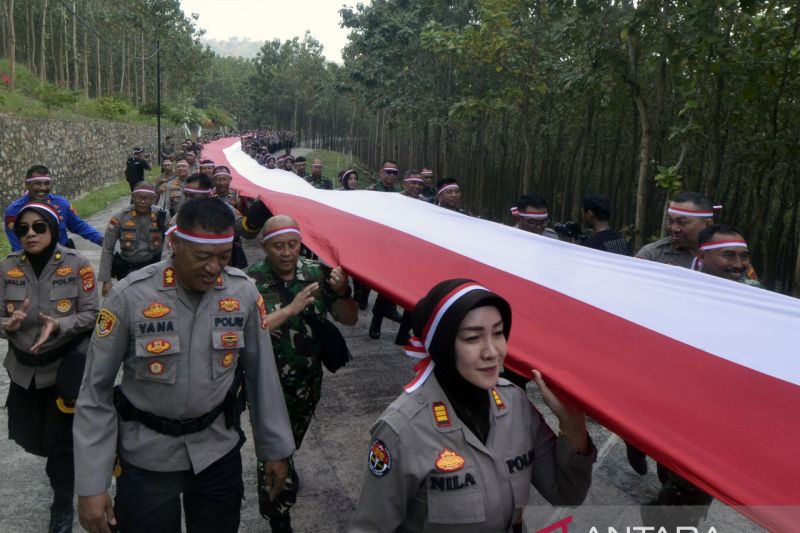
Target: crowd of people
(201, 336)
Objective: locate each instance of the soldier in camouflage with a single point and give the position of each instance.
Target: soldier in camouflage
(388, 176)
(293, 286)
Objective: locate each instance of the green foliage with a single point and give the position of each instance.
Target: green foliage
(110, 108)
(669, 179)
(334, 162)
(54, 98)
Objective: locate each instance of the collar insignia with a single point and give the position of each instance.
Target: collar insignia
(441, 415)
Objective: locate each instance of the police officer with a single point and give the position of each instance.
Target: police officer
(294, 287)
(387, 177)
(184, 331)
(49, 303)
(172, 198)
(460, 448)
(222, 189)
(723, 252)
(38, 183)
(140, 232)
(135, 167)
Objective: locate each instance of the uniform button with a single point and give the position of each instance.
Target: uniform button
(420, 401)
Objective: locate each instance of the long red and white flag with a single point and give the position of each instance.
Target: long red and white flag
(701, 373)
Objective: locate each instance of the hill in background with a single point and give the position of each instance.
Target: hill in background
(234, 47)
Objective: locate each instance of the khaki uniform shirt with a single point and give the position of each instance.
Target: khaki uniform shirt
(428, 472)
(140, 239)
(178, 362)
(66, 291)
(662, 251)
(173, 198)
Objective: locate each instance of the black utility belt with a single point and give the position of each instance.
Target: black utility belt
(232, 406)
(34, 360)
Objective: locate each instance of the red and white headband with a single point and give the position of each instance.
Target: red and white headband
(426, 173)
(692, 212)
(419, 349)
(448, 187)
(226, 174)
(734, 243)
(204, 238)
(280, 231)
(39, 205)
(143, 190)
(37, 178)
(197, 191)
(414, 178)
(539, 215)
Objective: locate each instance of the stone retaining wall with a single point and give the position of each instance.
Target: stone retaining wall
(81, 155)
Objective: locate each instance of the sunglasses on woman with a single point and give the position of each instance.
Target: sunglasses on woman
(39, 227)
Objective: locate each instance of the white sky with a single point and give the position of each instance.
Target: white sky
(264, 20)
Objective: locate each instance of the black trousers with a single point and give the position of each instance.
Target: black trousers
(149, 501)
(36, 424)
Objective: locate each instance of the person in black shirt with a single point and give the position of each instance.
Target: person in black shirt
(596, 214)
(135, 167)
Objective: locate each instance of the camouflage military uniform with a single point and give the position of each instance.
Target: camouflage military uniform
(319, 182)
(297, 358)
(380, 187)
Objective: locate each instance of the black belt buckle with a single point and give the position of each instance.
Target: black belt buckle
(192, 425)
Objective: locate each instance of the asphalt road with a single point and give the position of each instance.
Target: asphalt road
(333, 457)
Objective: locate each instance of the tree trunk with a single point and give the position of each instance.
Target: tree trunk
(85, 63)
(75, 74)
(143, 80)
(12, 54)
(42, 42)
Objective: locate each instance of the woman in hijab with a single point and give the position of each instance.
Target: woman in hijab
(460, 448)
(348, 180)
(49, 305)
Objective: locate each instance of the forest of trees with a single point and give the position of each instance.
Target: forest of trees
(636, 100)
(563, 98)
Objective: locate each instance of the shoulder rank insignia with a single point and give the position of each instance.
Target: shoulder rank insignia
(156, 367)
(441, 415)
(497, 399)
(229, 304)
(63, 306)
(219, 281)
(169, 277)
(105, 322)
(158, 346)
(156, 310)
(229, 339)
(64, 271)
(449, 461)
(57, 256)
(15, 273)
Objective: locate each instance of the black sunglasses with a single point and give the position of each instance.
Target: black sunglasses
(39, 227)
(391, 171)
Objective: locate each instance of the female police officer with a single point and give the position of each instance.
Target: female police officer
(460, 448)
(49, 303)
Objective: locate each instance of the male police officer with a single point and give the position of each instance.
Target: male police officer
(294, 287)
(173, 190)
(687, 215)
(723, 253)
(183, 331)
(38, 183)
(140, 232)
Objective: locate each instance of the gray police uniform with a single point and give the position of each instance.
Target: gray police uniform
(173, 198)
(662, 251)
(179, 360)
(428, 472)
(140, 239)
(66, 291)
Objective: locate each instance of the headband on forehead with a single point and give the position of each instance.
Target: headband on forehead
(427, 173)
(419, 349)
(414, 178)
(539, 215)
(197, 191)
(347, 174)
(38, 178)
(203, 238)
(680, 211)
(448, 187)
(226, 174)
(44, 207)
(514, 211)
(280, 231)
(733, 243)
(143, 190)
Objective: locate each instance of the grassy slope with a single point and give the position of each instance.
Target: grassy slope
(335, 161)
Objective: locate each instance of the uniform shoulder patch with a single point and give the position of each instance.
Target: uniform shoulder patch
(106, 320)
(380, 458)
(87, 278)
(262, 312)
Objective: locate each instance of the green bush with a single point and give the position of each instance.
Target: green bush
(55, 98)
(110, 108)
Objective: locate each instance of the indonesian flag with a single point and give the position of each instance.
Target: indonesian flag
(699, 372)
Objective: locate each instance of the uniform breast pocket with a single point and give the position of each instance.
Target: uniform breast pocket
(127, 239)
(226, 343)
(63, 300)
(157, 358)
(520, 469)
(455, 499)
(16, 293)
